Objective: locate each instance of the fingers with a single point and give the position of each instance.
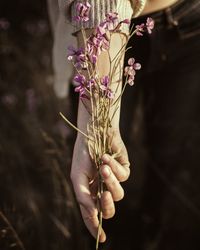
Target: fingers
(107, 204)
(121, 172)
(85, 185)
(112, 183)
(91, 221)
(87, 205)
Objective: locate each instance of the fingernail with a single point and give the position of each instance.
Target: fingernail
(105, 172)
(105, 158)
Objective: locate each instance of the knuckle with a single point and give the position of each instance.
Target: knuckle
(128, 164)
(113, 183)
(106, 198)
(127, 175)
(127, 171)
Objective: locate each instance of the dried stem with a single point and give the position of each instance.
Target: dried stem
(71, 124)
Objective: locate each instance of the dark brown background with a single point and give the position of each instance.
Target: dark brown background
(35, 152)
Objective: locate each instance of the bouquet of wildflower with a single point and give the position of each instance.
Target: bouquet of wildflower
(96, 91)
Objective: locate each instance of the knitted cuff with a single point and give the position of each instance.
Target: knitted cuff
(98, 10)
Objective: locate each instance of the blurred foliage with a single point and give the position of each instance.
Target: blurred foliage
(35, 144)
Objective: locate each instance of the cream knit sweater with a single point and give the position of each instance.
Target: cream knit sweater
(125, 9)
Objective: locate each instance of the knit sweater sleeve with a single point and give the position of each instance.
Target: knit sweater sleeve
(97, 12)
(100, 7)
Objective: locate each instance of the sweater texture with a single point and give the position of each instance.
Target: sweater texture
(126, 9)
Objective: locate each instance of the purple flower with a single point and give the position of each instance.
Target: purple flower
(118, 27)
(93, 59)
(80, 82)
(95, 44)
(126, 21)
(112, 23)
(74, 53)
(110, 94)
(104, 87)
(105, 81)
(82, 10)
(140, 29)
(149, 25)
(130, 70)
(91, 83)
(111, 20)
(111, 17)
(78, 56)
(102, 28)
(80, 79)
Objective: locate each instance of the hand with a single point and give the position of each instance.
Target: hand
(83, 175)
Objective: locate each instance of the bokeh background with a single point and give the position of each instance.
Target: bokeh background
(37, 206)
(35, 192)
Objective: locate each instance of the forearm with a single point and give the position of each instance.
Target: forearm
(115, 54)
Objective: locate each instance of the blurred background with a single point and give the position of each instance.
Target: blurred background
(37, 206)
(36, 199)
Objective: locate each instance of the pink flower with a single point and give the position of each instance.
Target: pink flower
(110, 94)
(126, 21)
(97, 43)
(111, 20)
(149, 25)
(105, 81)
(76, 54)
(112, 23)
(80, 83)
(140, 29)
(104, 87)
(130, 70)
(78, 57)
(101, 29)
(93, 59)
(82, 10)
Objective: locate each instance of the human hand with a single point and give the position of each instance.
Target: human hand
(83, 176)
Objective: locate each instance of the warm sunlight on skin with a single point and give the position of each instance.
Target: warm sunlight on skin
(100, 159)
(113, 171)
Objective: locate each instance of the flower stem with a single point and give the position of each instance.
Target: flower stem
(100, 214)
(71, 124)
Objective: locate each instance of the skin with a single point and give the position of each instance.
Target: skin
(113, 171)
